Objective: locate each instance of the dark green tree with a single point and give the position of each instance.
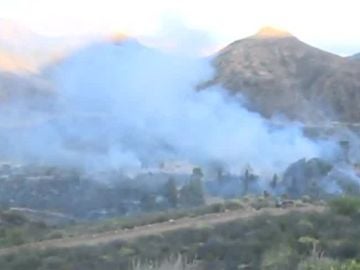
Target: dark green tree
(249, 179)
(274, 181)
(192, 193)
(148, 202)
(246, 180)
(197, 173)
(171, 193)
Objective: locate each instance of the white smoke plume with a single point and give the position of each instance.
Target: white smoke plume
(127, 106)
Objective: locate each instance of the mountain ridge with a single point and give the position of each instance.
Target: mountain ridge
(282, 75)
(25, 51)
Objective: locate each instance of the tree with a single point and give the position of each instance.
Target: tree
(148, 202)
(171, 193)
(192, 193)
(197, 173)
(274, 181)
(249, 178)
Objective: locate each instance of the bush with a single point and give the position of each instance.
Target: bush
(26, 261)
(53, 262)
(306, 199)
(318, 263)
(352, 265)
(178, 263)
(347, 206)
(15, 237)
(217, 208)
(55, 235)
(13, 218)
(260, 203)
(234, 205)
(278, 258)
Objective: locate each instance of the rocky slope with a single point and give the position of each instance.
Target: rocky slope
(279, 74)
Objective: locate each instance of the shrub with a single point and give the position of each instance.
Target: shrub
(55, 235)
(172, 263)
(318, 263)
(306, 199)
(352, 265)
(13, 218)
(234, 205)
(277, 258)
(15, 237)
(347, 206)
(126, 251)
(217, 208)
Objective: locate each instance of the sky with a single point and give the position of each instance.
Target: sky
(330, 24)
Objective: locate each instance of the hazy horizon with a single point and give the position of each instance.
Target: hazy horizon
(221, 22)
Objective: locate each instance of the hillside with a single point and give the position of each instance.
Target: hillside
(279, 74)
(107, 237)
(310, 237)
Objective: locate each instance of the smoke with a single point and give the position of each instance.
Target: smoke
(128, 106)
(176, 36)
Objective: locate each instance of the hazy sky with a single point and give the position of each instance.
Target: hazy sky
(331, 24)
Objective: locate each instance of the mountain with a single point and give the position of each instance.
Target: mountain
(102, 57)
(23, 88)
(24, 55)
(13, 63)
(280, 75)
(22, 50)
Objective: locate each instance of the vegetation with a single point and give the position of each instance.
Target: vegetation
(296, 241)
(16, 229)
(171, 193)
(346, 205)
(192, 193)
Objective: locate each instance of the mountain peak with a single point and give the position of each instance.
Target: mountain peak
(118, 37)
(271, 32)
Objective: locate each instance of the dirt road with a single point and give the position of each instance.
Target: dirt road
(153, 229)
